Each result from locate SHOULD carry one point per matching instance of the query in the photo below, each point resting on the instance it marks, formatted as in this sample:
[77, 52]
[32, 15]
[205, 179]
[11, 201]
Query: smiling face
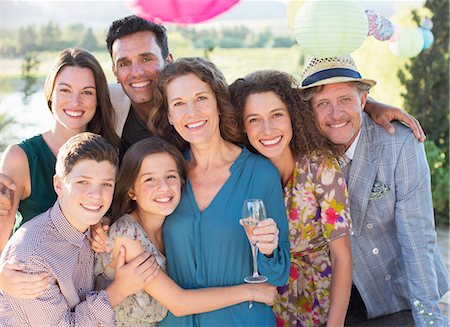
[337, 108]
[137, 62]
[193, 110]
[74, 99]
[267, 124]
[157, 189]
[86, 192]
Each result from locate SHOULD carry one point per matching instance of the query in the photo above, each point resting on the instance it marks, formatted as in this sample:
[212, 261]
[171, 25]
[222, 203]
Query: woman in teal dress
[205, 244]
[77, 95]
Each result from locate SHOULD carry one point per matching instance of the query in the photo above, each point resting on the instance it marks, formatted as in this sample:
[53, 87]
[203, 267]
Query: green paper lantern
[410, 43]
[329, 28]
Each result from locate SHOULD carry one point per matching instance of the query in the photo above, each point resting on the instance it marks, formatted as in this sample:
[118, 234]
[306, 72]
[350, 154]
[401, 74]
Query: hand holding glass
[253, 211]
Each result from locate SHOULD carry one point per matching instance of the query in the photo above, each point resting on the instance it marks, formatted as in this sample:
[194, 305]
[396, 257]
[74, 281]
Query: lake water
[32, 117]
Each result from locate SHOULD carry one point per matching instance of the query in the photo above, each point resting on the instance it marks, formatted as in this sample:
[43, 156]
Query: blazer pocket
[379, 190]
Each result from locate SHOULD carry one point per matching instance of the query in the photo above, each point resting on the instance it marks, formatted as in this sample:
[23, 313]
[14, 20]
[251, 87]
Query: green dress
[42, 168]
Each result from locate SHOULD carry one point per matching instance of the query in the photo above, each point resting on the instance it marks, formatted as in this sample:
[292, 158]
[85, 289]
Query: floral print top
[139, 309]
[318, 211]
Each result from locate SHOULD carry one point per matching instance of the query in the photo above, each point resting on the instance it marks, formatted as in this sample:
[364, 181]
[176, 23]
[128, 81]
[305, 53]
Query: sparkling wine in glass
[253, 211]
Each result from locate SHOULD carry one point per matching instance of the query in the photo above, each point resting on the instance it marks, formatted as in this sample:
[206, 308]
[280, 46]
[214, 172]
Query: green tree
[89, 41]
[30, 68]
[26, 39]
[50, 37]
[72, 34]
[426, 82]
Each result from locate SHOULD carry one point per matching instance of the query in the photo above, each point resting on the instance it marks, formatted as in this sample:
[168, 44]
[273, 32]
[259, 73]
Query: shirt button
[375, 251]
[387, 277]
[369, 226]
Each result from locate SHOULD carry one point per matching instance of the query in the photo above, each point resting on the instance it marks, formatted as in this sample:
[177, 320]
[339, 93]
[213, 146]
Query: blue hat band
[328, 73]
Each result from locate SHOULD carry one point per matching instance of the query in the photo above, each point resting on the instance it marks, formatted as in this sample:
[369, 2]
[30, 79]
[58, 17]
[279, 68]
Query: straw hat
[323, 71]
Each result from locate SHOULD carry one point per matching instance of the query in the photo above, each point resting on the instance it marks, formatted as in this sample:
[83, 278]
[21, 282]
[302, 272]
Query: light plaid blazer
[396, 261]
[121, 104]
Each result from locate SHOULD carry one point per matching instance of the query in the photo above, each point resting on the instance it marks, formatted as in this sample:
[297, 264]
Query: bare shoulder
[14, 164]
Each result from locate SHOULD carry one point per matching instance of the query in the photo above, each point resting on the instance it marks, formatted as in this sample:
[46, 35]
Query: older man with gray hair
[396, 262]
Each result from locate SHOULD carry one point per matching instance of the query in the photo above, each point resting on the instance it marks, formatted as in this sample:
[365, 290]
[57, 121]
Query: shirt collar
[67, 231]
[352, 148]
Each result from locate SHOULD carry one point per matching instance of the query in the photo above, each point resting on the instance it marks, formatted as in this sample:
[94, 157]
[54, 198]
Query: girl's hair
[131, 165]
[206, 71]
[104, 119]
[307, 138]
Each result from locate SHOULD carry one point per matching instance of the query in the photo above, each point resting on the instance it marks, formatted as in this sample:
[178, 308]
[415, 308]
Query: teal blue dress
[210, 248]
[41, 161]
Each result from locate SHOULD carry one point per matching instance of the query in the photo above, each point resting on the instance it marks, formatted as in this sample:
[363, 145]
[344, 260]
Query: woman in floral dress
[280, 126]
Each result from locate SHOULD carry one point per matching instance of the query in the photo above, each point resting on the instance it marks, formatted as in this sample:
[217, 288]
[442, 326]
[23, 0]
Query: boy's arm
[53, 309]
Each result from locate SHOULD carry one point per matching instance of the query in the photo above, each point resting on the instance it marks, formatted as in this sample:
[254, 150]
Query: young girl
[147, 190]
[278, 125]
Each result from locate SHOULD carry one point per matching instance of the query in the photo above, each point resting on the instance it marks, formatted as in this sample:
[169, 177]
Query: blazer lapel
[363, 171]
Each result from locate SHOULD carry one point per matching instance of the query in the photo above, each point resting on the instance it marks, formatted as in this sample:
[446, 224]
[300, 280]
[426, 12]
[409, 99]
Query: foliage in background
[30, 69]
[235, 37]
[439, 170]
[426, 97]
[47, 37]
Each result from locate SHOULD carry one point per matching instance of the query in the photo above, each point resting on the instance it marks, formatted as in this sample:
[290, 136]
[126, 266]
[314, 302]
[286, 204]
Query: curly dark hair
[133, 24]
[158, 122]
[307, 137]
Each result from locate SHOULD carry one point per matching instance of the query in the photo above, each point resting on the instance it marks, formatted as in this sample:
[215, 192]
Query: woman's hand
[19, 284]
[131, 277]
[7, 188]
[99, 242]
[266, 236]
[264, 293]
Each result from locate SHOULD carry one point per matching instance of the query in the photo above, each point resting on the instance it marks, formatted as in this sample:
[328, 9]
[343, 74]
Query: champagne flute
[252, 212]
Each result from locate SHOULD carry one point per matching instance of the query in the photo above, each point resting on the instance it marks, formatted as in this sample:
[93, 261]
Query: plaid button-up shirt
[49, 243]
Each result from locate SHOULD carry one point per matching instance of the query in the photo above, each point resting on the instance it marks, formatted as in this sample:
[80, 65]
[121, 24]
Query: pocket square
[379, 190]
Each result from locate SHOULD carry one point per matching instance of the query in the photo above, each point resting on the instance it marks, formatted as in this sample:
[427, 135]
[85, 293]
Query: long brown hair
[206, 71]
[307, 138]
[129, 170]
[104, 119]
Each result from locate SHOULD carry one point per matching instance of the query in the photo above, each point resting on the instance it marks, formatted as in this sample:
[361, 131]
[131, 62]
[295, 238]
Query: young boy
[56, 242]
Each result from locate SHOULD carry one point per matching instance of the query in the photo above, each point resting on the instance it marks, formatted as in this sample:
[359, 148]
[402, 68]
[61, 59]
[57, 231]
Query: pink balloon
[181, 11]
[372, 17]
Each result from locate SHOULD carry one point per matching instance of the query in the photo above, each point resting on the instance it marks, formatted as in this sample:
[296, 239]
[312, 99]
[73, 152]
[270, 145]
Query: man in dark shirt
[139, 51]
